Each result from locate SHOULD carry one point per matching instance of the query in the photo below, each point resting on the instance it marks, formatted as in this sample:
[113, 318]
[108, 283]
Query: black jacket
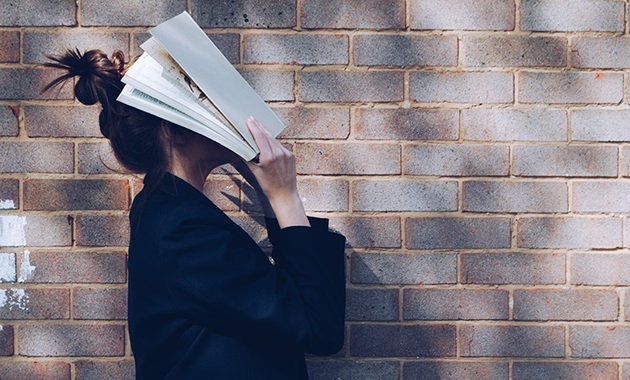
[205, 302]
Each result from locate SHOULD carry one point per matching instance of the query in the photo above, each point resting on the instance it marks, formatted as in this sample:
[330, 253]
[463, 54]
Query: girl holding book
[205, 302]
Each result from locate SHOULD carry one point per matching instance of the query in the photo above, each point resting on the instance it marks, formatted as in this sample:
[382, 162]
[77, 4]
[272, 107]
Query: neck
[194, 173]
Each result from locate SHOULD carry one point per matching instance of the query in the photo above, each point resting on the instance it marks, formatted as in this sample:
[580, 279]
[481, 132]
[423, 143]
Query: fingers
[262, 138]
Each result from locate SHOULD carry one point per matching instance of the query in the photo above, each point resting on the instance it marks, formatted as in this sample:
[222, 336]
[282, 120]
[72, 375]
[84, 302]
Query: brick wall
[475, 153]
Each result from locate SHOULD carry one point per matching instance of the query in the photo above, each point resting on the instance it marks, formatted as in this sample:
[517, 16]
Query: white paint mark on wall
[7, 204]
[1, 328]
[13, 298]
[12, 231]
[7, 267]
[26, 269]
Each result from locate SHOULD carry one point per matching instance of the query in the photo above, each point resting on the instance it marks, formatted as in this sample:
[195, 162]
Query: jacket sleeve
[221, 279]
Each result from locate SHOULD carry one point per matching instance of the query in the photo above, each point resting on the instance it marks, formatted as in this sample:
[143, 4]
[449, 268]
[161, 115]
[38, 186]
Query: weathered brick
[391, 268]
[601, 52]
[102, 230]
[296, 49]
[72, 340]
[626, 302]
[9, 46]
[99, 303]
[97, 158]
[599, 341]
[514, 197]
[461, 87]
[572, 15]
[402, 341]
[37, 45]
[348, 158]
[456, 160]
[228, 43]
[371, 232]
[9, 194]
[244, 14]
[599, 268]
[9, 120]
[510, 124]
[77, 267]
[255, 227]
[353, 369]
[105, 370]
[35, 230]
[353, 14]
[601, 197]
[625, 161]
[404, 195]
[463, 15]
[372, 305]
[336, 194]
[18, 303]
[349, 86]
[568, 232]
[600, 125]
[270, 85]
[129, 13]
[514, 51]
[443, 370]
[512, 341]
[314, 123]
[565, 305]
[6, 342]
[392, 50]
[405, 124]
[565, 370]
[465, 304]
[7, 267]
[27, 83]
[565, 161]
[458, 233]
[512, 268]
[35, 370]
[36, 157]
[76, 194]
[43, 121]
[569, 87]
[38, 13]
[225, 193]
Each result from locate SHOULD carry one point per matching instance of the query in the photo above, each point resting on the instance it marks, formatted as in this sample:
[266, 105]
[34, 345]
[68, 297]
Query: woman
[204, 301]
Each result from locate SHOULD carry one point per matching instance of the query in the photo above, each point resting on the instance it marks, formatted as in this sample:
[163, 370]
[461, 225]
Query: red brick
[402, 340]
[601, 197]
[27, 83]
[69, 194]
[35, 370]
[99, 303]
[405, 124]
[348, 158]
[512, 341]
[314, 123]
[105, 370]
[456, 160]
[464, 304]
[405, 268]
[572, 16]
[9, 46]
[569, 87]
[511, 124]
[7, 267]
[78, 267]
[565, 305]
[35, 230]
[610, 341]
[39, 13]
[459, 370]
[600, 268]
[392, 50]
[245, 14]
[37, 45]
[374, 14]
[16, 303]
[514, 51]
[350, 86]
[129, 13]
[102, 230]
[323, 194]
[601, 52]
[369, 231]
[565, 370]
[254, 226]
[461, 87]
[225, 193]
[600, 125]
[295, 49]
[6, 341]
[371, 304]
[36, 157]
[41, 121]
[514, 197]
[512, 268]
[404, 195]
[97, 158]
[463, 14]
[72, 340]
[458, 233]
[9, 120]
[569, 232]
[353, 369]
[9, 194]
[565, 161]
[272, 86]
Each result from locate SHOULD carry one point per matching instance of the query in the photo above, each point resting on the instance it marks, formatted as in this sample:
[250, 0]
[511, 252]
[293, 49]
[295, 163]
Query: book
[183, 78]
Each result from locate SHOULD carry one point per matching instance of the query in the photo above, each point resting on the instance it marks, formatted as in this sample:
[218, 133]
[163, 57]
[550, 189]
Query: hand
[276, 176]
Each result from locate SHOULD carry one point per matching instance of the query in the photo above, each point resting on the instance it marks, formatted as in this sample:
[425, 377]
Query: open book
[182, 77]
